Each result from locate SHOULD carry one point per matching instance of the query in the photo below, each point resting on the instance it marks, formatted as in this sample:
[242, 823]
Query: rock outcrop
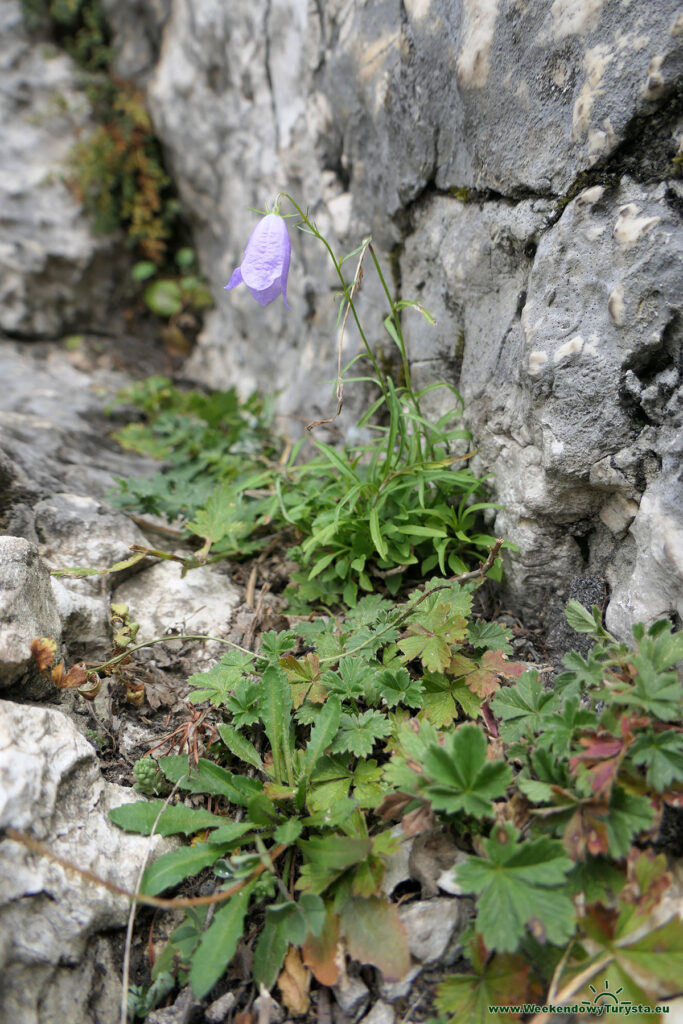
[518, 163]
[55, 274]
[56, 963]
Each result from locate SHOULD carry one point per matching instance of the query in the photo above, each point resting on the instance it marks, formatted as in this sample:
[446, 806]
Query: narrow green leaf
[171, 868]
[270, 950]
[335, 458]
[218, 944]
[240, 746]
[210, 778]
[276, 713]
[376, 533]
[176, 818]
[323, 732]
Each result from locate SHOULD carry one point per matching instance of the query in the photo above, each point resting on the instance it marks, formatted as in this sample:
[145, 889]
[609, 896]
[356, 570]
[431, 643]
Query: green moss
[116, 171]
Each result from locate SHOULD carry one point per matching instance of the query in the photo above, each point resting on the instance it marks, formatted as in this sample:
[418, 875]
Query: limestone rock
[352, 995]
[381, 1013]
[429, 925]
[386, 117]
[554, 349]
[163, 601]
[50, 919]
[51, 264]
[53, 435]
[27, 607]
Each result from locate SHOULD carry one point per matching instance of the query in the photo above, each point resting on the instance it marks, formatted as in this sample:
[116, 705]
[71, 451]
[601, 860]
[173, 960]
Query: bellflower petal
[265, 264]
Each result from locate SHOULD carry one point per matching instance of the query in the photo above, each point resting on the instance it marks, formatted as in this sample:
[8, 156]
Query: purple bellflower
[265, 264]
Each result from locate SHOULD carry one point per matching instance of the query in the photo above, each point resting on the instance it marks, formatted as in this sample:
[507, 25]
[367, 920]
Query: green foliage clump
[213, 446]
[78, 25]
[414, 711]
[149, 780]
[373, 514]
[117, 171]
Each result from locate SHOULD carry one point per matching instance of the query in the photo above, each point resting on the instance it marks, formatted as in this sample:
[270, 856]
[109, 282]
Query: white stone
[51, 788]
[429, 926]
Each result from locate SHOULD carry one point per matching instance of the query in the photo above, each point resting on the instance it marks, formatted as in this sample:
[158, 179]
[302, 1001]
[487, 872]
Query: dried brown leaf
[294, 983]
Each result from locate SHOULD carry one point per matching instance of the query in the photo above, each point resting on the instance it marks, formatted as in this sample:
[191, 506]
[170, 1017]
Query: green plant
[364, 516]
[79, 25]
[301, 749]
[168, 296]
[117, 171]
[395, 712]
[149, 780]
[600, 759]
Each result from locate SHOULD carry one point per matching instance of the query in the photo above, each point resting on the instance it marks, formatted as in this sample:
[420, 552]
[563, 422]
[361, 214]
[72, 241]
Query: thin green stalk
[397, 324]
[165, 639]
[340, 275]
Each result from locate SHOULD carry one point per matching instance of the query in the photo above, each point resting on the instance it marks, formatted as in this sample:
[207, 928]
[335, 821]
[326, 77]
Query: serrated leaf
[628, 815]
[491, 635]
[243, 704]
[662, 754]
[358, 733]
[524, 707]
[560, 728]
[518, 884]
[218, 943]
[172, 868]
[461, 777]
[175, 819]
[322, 733]
[327, 857]
[499, 981]
[217, 684]
[396, 686]
[240, 746]
[657, 693]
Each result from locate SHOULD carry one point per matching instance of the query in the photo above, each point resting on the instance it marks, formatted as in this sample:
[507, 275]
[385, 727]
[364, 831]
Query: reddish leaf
[43, 650]
[374, 934]
[585, 831]
[486, 679]
[321, 952]
[393, 806]
[602, 756]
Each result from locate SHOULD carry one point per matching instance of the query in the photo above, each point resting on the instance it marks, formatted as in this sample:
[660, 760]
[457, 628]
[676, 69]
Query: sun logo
[604, 997]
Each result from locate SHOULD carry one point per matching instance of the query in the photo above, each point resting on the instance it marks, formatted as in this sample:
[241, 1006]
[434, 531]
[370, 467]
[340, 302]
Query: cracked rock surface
[50, 785]
[457, 133]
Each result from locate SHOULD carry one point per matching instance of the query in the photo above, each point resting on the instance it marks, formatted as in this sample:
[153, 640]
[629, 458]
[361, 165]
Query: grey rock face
[50, 786]
[53, 271]
[561, 421]
[162, 601]
[53, 436]
[27, 607]
[559, 326]
[429, 926]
